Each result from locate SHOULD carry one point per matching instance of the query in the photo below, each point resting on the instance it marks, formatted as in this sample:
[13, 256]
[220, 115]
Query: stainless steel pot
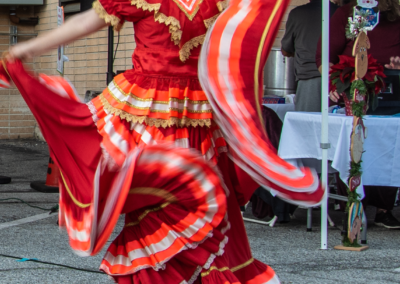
[279, 78]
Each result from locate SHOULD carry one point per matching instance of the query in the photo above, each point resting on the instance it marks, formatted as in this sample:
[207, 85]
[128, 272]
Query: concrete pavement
[291, 251]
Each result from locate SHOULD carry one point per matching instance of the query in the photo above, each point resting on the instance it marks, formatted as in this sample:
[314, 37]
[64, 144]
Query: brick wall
[88, 56]
[16, 121]
[86, 69]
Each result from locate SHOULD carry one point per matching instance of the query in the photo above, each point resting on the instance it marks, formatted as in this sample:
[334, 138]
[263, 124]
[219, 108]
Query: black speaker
[86, 5]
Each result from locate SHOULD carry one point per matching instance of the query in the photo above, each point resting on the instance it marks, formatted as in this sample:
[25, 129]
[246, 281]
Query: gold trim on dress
[77, 203]
[157, 110]
[158, 102]
[258, 59]
[236, 268]
[142, 4]
[157, 122]
[145, 213]
[109, 19]
[171, 22]
[209, 22]
[190, 17]
[184, 52]
[159, 192]
[222, 5]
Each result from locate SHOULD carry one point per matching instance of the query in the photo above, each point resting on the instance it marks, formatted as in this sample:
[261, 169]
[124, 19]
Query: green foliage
[358, 109]
[347, 243]
[355, 169]
[360, 86]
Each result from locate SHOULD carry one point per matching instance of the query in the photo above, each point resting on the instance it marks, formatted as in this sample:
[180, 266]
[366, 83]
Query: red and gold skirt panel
[250, 272]
[176, 203]
[92, 197]
[156, 100]
[121, 135]
[237, 264]
[231, 73]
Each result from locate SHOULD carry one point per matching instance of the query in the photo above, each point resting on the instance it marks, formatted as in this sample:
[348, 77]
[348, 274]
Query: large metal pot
[279, 78]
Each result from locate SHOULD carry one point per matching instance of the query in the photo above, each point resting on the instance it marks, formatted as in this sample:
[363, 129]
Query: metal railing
[13, 34]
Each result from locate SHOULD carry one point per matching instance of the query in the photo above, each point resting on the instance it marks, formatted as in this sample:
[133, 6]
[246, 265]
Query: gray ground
[288, 248]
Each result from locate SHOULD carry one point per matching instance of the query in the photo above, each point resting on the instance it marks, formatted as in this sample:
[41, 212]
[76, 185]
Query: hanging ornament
[355, 221]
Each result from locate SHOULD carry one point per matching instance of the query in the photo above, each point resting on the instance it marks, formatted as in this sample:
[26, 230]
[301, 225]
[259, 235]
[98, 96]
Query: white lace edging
[93, 111]
[107, 160]
[209, 261]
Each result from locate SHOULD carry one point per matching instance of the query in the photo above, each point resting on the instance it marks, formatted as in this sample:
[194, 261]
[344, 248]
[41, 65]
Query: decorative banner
[60, 53]
[355, 221]
[354, 182]
[360, 52]
[357, 97]
[370, 15]
[357, 139]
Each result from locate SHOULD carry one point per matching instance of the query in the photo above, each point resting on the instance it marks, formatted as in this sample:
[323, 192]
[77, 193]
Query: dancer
[176, 229]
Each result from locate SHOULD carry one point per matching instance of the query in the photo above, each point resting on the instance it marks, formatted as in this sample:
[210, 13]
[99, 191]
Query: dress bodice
[168, 33]
[163, 89]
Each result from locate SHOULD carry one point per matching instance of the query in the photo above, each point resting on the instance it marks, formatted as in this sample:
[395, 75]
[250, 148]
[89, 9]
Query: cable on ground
[54, 264]
[52, 209]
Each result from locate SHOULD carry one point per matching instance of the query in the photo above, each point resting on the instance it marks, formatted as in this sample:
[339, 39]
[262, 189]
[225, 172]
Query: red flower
[345, 70]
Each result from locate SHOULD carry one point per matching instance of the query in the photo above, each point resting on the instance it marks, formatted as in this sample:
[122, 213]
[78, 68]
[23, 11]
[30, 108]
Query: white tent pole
[324, 124]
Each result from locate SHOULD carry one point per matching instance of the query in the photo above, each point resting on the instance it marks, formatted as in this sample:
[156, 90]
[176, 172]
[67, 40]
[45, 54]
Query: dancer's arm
[76, 27]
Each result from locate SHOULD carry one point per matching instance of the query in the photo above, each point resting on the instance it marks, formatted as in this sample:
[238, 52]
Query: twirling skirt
[182, 223]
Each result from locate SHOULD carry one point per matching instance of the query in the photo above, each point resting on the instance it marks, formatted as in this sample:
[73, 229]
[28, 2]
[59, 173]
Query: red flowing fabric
[230, 71]
[176, 226]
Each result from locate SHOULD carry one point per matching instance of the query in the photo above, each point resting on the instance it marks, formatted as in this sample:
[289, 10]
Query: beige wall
[16, 121]
[86, 69]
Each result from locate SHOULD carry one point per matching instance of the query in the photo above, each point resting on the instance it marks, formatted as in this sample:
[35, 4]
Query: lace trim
[190, 16]
[107, 160]
[209, 261]
[171, 22]
[222, 5]
[142, 4]
[93, 111]
[154, 101]
[174, 24]
[109, 19]
[209, 22]
[184, 53]
[157, 122]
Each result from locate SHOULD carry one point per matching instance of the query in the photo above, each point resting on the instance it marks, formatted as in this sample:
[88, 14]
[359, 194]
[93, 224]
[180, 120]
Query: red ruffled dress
[126, 152]
[161, 100]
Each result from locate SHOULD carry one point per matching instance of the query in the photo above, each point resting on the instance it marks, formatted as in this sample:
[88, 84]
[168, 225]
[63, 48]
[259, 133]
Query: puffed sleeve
[116, 12]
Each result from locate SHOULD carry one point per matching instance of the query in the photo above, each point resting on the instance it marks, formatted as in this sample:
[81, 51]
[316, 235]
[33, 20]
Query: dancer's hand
[394, 63]
[22, 51]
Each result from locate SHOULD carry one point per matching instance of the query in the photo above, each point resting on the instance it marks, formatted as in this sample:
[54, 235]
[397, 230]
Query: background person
[303, 29]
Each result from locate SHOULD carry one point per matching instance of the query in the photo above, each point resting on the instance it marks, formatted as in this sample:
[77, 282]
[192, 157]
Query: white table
[280, 109]
[301, 137]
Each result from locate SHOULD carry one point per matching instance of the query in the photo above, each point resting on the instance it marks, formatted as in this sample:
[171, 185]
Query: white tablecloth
[280, 109]
[301, 137]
